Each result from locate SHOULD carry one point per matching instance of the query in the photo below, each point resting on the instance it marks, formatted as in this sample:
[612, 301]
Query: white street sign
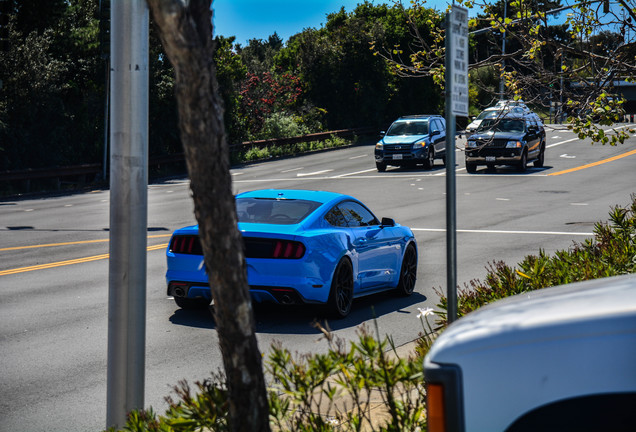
[459, 60]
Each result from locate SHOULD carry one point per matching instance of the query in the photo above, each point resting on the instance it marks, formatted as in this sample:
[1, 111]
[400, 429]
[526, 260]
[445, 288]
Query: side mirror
[387, 222]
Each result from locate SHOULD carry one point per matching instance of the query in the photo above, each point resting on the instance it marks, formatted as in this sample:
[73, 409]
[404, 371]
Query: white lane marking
[313, 173]
[293, 169]
[502, 199]
[354, 173]
[561, 142]
[506, 232]
[237, 173]
[579, 204]
[567, 156]
[357, 157]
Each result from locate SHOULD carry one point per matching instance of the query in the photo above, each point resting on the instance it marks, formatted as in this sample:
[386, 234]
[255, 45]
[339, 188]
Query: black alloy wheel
[408, 272]
[523, 163]
[341, 294]
[541, 159]
[430, 158]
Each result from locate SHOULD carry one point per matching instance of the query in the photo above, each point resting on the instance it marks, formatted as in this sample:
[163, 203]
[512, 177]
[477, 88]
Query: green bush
[341, 390]
[256, 153]
[282, 125]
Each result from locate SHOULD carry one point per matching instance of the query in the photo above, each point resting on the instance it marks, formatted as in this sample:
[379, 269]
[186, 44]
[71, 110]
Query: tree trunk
[186, 34]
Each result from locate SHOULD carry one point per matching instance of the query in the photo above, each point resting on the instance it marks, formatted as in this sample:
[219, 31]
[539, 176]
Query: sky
[258, 19]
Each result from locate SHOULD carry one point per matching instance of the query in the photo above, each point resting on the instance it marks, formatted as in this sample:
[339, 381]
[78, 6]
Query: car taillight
[273, 248]
[186, 244]
[254, 247]
[288, 249]
[435, 417]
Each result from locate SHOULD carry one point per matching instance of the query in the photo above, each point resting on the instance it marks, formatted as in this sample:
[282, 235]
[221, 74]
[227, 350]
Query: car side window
[435, 126]
[357, 215]
[336, 218]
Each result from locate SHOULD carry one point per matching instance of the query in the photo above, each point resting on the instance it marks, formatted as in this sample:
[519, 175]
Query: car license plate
[490, 158]
[397, 157]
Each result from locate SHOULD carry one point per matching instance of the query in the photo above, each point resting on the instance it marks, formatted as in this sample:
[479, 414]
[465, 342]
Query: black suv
[511, 139]
[412, 140]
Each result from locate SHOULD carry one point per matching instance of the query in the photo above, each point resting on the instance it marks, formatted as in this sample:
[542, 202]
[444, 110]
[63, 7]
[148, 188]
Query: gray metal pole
[106, 120]
[451, 210]
[128, 210]
[503, 52]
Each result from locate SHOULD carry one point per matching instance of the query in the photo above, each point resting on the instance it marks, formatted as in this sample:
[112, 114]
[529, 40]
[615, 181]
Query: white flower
[425, 312]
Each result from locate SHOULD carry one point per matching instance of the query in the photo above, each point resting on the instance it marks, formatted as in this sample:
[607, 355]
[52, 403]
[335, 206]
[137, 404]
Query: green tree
[51, 88]
[548, 63]
[343, 76]
[231, 71]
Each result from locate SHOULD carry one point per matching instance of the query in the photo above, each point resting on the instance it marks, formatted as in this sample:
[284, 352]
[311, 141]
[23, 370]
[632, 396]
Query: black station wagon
[513, 139]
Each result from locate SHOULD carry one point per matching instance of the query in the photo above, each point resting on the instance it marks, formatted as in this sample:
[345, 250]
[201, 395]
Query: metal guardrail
[96, 168]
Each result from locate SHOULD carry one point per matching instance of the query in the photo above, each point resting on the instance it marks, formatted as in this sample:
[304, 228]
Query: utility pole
[503, 53]
[128, 209]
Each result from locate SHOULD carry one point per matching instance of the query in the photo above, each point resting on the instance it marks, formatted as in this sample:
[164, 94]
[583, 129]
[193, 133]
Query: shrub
[282, 125]
[314, 392]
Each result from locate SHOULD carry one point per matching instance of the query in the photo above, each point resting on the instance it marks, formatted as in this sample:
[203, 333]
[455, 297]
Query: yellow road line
[629, 153]
[68, 262]
[70, 243]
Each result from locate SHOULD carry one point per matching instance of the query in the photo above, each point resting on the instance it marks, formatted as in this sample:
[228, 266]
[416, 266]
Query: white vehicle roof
[563, 312]
[542, 347]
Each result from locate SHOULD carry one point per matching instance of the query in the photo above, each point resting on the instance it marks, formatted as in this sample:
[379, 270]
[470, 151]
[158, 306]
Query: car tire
[380, 166]
[192, 303]
[541, 159]
[444, 160]
[341, 293]
[430, 159]
[523, 163]
[471, 168]
[408, 271]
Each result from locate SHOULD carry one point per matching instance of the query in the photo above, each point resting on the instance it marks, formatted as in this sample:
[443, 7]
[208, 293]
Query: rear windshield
[408, 128]
[274, 211]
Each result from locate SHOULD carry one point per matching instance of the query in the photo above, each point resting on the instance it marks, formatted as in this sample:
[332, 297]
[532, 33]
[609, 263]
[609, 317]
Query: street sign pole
[456, 77]
[128, 210]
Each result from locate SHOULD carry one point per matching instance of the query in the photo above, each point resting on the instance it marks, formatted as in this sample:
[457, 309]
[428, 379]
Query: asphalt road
[54, 267]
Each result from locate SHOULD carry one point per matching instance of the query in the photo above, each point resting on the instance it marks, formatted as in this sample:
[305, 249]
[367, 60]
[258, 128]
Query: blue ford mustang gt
[303, 247]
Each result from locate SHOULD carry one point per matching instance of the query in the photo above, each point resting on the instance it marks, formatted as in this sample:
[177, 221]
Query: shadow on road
[299, 319]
